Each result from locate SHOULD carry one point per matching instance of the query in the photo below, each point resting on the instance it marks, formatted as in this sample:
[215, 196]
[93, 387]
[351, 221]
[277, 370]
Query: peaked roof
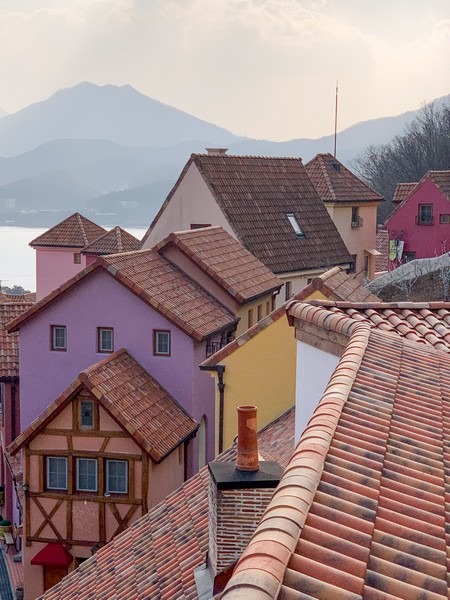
[159, 284]
[74, 232]
[27, 297]
[402, 191]
[133, 397]
[9, 342]
[336, 284]
[156, 557]
[225, 260]
[361, 511]
[255, 195]
[335, 183]
[112, 242]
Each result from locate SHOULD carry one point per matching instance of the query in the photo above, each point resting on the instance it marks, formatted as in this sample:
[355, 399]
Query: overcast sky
[262, 68]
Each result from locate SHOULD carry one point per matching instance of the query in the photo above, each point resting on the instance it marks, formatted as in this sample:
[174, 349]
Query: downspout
[220, 370]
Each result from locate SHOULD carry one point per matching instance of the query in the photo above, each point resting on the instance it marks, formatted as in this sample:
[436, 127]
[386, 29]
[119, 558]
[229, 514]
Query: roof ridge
[323, 166]
[320, 316]
[278, 532]
[81, 225]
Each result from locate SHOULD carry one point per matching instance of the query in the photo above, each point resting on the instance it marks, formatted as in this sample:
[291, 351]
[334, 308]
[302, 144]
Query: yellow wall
[242, 312]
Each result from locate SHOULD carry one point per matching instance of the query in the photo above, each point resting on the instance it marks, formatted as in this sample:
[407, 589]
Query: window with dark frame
[87, 414]
[56, 473]
[77, 258]
[105, 339]
[200, 225]
[444, 219]
[161, 343]
[260, 312]
[116, 476]
[250, 318]
[287, 290]
[86, 475]
[425, 216]
[58, 334]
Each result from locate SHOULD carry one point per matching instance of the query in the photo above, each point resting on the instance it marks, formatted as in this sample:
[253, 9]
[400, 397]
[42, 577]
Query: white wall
[314, 369]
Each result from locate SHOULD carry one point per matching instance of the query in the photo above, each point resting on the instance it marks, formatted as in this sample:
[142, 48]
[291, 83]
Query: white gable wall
[314, 369]
[192, 202]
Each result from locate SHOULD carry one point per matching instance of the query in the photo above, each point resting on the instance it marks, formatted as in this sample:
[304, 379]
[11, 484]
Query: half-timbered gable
[108, 449]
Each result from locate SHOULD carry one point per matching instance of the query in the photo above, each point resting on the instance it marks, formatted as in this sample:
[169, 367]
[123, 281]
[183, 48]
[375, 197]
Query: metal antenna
[336, 118]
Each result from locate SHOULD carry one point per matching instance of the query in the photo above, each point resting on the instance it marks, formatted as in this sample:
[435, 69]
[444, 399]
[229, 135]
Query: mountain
[3, 113]
[119, 114]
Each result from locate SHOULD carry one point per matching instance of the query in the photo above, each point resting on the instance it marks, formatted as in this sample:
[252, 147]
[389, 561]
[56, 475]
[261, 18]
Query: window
[444, 219]
[161, 343]
[250, 317]
[86, 474]
[425, 216]
[268, 307]
[356, 219]
[260, 311]
[295, 225]
[105, 339]
[116, 477]
[56, 473]
[59, 337]
[87, 414]
[287, 290]
[77, 258]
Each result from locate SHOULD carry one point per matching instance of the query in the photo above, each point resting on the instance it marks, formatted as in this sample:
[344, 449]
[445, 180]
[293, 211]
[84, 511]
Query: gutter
[220, 370]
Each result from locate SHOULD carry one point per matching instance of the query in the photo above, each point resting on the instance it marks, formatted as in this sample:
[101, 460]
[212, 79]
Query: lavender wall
[54, 267]
[98, 301]
[426, 240]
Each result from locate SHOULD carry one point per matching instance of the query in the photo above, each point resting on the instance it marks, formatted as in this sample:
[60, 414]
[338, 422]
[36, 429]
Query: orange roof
[74, 232]
[9, 342]
[156, 557]
[133, 397]
[361, 511]
[27, 297]
[112, 242]
[335, 183]
[382, 260]
[402, 191]
[336, 284]
[159, 284]
[225, 260]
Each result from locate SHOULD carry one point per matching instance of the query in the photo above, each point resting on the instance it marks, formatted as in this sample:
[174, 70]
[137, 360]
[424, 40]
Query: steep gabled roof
[135, 400]
[335, 183]
[225, 260]
[256, 194]
[336, 284]
[74, 232]
[402, 191]
[442, 180]
[112, 242]
[159, 284]
[156, 557]
[9, 342]
[361, 511]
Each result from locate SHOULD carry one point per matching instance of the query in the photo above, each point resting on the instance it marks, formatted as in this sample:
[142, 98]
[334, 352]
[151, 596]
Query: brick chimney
[238, 495]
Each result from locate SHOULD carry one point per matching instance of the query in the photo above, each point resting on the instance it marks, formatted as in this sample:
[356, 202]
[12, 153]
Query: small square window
[59, 337]
[105, 339]
[444, 219]
[87, 414]
[161, 343]
[116, 476]
[77, 258]
[86, 474]
[56, 473]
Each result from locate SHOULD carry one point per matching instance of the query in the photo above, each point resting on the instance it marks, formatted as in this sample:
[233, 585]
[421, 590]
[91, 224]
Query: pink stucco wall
[99, 301]
[54, 267]
[425, 240]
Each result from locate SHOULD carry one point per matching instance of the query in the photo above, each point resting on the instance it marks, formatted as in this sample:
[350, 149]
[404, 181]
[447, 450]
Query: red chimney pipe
[247, 444]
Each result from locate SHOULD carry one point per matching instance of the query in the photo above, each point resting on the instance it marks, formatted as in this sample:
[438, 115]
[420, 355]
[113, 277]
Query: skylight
[295, 225]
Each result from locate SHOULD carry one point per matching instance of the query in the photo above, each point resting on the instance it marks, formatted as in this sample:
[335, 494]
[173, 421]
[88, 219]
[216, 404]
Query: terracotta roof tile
[74, 232]
[135, 399]
[402, 191]
[112, 242]
[255, 194]
[335, 183]
[27, 297]
[336, 284]
[158, 283]
[382, 245]
[156, 557]
[9, 342]
[226, 260]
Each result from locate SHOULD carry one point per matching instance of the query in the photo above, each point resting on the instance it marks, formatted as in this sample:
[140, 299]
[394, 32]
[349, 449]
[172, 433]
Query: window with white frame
[161, 343]
[59, 337]
[86, 474]
[56, 467]
[116, 476]
[105, 339]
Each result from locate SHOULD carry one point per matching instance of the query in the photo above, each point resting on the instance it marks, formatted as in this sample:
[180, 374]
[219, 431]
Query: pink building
[107, 450]
[419, 227]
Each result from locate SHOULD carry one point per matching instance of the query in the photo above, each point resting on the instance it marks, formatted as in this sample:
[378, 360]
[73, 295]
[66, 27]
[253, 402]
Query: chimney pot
[247, 445]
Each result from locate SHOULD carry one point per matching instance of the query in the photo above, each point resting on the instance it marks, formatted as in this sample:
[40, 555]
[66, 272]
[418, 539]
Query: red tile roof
[74, 232]
[402, 191]
[133, 397]
[336, 284]
[255, 194]
[225, 260]
[335, 183]
[361, 511]
[112, 242]
[9, 342]
[28, 297]
[441, 179]
[156, 557]
[382, 260]
[159, 284]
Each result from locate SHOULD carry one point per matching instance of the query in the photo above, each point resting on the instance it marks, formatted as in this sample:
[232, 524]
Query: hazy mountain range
[113, 153]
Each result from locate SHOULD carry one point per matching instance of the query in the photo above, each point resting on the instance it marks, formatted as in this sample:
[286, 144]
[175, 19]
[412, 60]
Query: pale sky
[261, 68]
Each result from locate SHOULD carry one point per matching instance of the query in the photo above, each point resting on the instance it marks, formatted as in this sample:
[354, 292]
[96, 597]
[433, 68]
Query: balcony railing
[213, 347]
[358, 222]
[424, 220]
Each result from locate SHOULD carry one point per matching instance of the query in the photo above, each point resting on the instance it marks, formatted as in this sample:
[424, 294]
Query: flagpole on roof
[335, 118]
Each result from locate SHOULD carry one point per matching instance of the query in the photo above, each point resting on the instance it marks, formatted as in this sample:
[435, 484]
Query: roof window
[295, 225]
[336, 166]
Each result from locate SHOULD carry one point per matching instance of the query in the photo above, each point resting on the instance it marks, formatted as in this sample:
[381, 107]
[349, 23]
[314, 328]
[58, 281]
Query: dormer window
[295, 225]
